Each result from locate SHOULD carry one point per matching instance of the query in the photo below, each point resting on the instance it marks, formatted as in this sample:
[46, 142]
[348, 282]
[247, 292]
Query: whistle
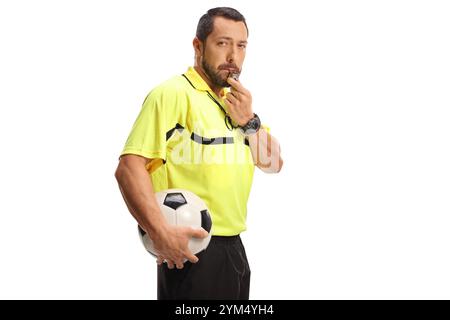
[234, 75]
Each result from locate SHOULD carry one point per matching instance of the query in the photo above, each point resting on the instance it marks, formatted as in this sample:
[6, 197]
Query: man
[198, 131]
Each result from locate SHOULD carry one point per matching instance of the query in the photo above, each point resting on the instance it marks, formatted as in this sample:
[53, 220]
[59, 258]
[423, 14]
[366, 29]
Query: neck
[202, 74]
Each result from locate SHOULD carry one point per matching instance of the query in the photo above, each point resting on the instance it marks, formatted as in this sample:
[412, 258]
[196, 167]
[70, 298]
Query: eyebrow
[231, 39]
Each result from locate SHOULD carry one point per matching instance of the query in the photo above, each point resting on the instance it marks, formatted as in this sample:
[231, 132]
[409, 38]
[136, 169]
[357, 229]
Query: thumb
[198, 233]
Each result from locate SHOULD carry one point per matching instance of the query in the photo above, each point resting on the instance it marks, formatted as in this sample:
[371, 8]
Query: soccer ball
[182, 208]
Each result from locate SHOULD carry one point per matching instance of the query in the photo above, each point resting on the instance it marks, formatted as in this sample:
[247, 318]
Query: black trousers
[222, 272]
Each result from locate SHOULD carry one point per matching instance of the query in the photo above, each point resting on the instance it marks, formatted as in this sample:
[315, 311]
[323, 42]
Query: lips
[229, 68]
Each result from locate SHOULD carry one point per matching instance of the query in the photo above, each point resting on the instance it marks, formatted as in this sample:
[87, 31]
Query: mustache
[229, 66]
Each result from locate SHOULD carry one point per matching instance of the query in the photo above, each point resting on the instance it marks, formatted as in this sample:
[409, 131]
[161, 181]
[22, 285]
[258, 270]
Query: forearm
[265, 151]
[137, 191]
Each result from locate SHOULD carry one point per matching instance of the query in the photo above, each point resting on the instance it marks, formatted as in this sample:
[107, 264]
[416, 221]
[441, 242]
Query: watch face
[253, 125]
[257, 123]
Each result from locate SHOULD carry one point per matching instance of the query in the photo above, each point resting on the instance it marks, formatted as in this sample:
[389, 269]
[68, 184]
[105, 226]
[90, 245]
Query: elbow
[280, 165]
[277, 168]
[271, 167]
[118, 174]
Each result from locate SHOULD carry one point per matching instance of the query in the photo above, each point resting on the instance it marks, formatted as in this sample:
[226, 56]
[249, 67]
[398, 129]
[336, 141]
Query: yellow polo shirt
[182, 128]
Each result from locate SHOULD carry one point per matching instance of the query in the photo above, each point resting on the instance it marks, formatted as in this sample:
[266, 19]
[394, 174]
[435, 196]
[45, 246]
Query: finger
[235, 93]
[232, 98]
[230, 106]
[170, 264]
[180, 265]
[160, 260]
[198, 233]
[236, 85]
[191, 257]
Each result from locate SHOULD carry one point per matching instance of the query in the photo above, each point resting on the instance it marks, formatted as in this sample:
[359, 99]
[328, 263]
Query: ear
[198, 46]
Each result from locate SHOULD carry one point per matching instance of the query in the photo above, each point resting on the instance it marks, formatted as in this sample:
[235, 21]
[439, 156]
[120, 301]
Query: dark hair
[206, 23]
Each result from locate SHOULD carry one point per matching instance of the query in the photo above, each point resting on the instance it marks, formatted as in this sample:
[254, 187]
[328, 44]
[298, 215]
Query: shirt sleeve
[148, 134]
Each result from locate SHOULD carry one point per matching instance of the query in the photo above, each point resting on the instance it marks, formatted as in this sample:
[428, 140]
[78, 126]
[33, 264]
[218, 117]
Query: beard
[214, 76]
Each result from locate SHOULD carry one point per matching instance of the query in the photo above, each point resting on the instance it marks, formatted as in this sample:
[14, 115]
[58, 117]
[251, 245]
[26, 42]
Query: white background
[357, 92]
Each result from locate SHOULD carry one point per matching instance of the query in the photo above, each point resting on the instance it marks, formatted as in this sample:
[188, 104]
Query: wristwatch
[252, 126]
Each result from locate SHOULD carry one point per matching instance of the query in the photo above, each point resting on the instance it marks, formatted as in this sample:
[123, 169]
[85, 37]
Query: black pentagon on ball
[206, 220]
[174, 200]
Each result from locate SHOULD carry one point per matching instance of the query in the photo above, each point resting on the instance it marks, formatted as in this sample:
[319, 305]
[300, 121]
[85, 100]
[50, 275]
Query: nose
[231, 57]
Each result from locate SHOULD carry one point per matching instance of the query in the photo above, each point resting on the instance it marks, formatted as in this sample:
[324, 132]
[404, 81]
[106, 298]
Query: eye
[222, 43]
[242, 46]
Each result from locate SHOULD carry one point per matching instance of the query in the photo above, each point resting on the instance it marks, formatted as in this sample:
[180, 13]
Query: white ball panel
[189, 215]
[197, 245]
[169, 214]
[186, 215]
[148, 244]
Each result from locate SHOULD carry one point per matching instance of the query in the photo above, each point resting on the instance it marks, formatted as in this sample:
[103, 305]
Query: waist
[228, 239]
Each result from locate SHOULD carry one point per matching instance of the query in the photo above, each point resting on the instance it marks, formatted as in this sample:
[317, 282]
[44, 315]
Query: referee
[198, 131]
